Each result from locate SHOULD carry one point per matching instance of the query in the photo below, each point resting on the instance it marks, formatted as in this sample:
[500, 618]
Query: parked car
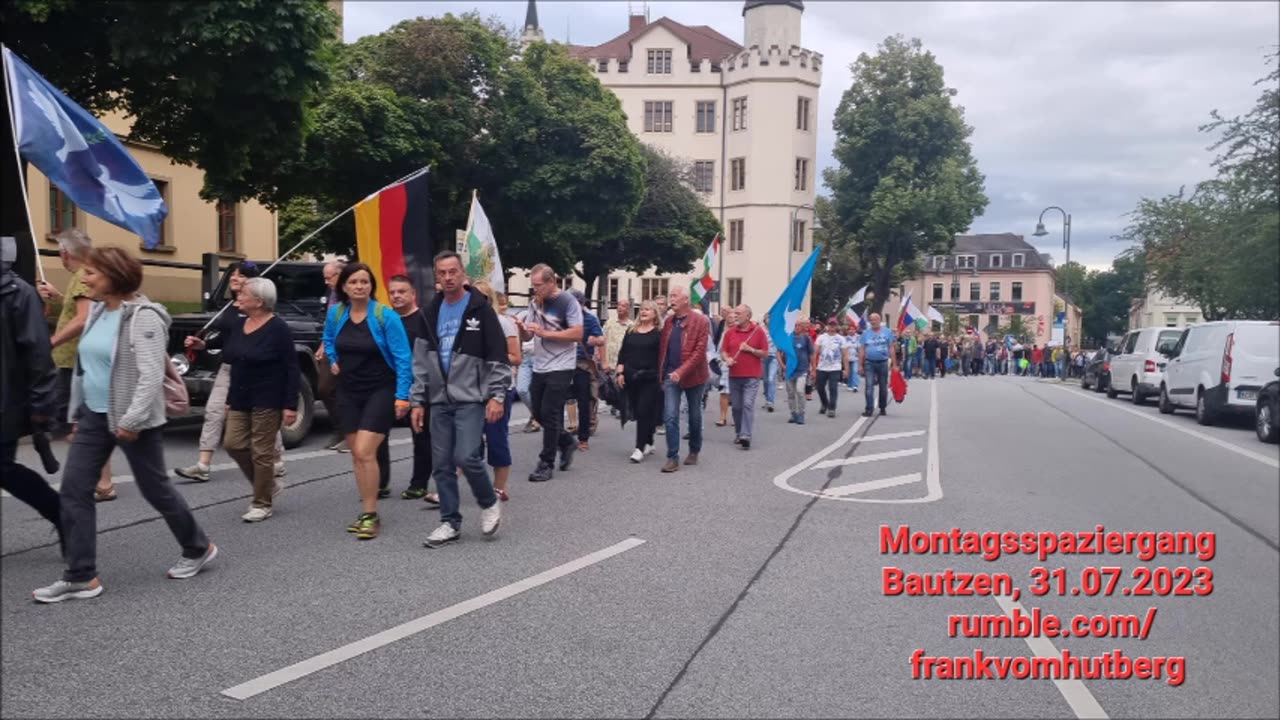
[301, 296]
[1097, 371]
[1266, 412]
[1221, 367]
[1139, 365]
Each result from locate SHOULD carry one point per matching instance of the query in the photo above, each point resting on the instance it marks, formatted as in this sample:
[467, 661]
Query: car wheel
[1135, 395]
[294, 434]
[1265, 421]
[1204, 415]
[1084, 383]
[1166, 405]
[1099, 384]
[1112, 392]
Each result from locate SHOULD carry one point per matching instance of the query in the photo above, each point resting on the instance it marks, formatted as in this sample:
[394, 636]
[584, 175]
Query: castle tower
[771, 22]
[531, 33]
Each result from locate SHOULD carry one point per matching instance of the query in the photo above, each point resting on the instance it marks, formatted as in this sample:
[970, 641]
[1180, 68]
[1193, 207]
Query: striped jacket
[136, 396]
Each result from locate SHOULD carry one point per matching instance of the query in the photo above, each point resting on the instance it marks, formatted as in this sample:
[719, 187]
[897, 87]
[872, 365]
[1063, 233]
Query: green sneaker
[368, 526]
[355, 526]
[413, 494]
[384, 493]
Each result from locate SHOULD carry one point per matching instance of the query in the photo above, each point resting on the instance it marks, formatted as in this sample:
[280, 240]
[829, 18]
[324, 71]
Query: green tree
[906, 182]
[1108, 297]
[1216, 247]
[839, 272]
[950, 323]
[670, 230]
[1020, 327]
[219, 85]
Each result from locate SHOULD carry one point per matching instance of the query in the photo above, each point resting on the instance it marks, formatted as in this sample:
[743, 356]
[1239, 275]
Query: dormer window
[1019, 260]
[966, 261]
[997, 260]
[603, 66]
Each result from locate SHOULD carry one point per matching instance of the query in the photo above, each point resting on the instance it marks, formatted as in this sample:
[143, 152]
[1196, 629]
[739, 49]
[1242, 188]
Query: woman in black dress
[638, 374]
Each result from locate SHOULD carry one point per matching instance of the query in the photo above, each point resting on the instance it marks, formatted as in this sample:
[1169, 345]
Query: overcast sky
[1089, 106]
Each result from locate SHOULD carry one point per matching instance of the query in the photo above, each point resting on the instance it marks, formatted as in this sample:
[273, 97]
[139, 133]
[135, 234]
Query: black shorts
[371, 411]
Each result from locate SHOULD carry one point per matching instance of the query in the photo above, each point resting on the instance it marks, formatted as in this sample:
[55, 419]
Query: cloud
[1088, 106]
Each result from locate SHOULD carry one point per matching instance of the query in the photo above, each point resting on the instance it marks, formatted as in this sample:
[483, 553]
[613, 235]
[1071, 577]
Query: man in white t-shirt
[830, 364]
[554, 323]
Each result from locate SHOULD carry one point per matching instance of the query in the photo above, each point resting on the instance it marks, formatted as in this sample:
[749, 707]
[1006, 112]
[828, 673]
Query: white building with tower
[743, 115]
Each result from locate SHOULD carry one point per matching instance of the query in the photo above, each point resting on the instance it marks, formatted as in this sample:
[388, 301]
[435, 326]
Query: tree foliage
[1218, 246]
[670, 230]
[906, 182]
[839, 272]
[219, 85]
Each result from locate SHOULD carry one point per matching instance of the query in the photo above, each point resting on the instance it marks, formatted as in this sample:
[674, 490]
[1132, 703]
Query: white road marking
[875, 457]
[932, 472]
[1082, 702]
[873, 485]
[1269, 461]
[273, 680]
[887, 436]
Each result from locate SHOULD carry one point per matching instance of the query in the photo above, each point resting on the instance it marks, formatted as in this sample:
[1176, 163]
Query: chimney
[637, 22]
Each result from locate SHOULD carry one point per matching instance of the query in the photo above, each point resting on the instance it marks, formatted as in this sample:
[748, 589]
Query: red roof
[704, 43]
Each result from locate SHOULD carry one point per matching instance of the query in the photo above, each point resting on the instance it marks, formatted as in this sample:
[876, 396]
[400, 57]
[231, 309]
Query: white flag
[933, 314]
[859, 297]
[483, 262]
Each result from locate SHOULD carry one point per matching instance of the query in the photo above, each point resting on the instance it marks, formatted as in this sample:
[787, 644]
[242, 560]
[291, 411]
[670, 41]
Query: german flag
[392, 235]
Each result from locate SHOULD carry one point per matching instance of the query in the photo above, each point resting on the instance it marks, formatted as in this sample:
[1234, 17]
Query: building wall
[190, 229]
[1038, 286]
[771, 80]
[1159, 310]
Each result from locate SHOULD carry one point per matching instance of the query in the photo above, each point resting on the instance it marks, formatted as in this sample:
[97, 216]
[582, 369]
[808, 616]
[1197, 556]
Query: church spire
[532, 33]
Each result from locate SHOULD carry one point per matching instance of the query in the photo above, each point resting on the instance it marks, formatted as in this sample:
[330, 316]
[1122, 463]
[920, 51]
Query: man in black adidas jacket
[460, 370]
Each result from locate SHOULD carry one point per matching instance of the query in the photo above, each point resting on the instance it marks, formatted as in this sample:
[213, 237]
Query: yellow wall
[189, 230]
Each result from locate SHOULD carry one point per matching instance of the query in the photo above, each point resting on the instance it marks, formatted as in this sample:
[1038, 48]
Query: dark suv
[301, 293]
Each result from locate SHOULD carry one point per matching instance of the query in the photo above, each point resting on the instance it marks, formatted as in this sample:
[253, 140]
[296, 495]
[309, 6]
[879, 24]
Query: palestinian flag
[704, 284]
[392, 236]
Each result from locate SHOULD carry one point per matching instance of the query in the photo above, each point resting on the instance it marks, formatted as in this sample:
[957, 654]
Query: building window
[997, 260]
[966, 261]
[995, 292]
[227, 227]
[622, 66]
[1192, 320]
[735, 236]
[652, 288]
[735, 292]
[657, 117]
[1019, 260]
[993, 323]
[704, 176]
[1171, 320]
[738, 174]
[955, 291]
[565, 282]
[163, 187]
[975, 292]
[740, 113]
[937, 292]
[62, 212]
[695, 67]
[603, 66]
[973, 321]
[802, 113]
[659, 62]
[802, 174]
[797, 236]
[706, 116]
[613, 290]
[1016, 294]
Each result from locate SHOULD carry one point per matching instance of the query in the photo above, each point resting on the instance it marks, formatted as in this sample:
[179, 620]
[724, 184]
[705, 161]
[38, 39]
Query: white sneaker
[637, 455]
[442, 535]
[257, 514]
[490, 517]
[280, 471]
[648, 449]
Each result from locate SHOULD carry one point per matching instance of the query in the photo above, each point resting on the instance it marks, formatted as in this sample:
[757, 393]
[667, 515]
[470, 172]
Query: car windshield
[300, 285]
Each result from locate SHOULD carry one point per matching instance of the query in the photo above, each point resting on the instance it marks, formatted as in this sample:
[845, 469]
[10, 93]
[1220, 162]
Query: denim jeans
[524, 378]
[928, 368]
[828, 384]
[770, 378]
[877, 377]
[421, 456]
[671, 396]
[742, 398]
[94, 442]
[456, 434]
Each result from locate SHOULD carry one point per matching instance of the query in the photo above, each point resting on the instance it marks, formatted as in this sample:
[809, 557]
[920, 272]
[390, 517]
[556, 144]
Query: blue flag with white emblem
[785, 312]
[80, 155]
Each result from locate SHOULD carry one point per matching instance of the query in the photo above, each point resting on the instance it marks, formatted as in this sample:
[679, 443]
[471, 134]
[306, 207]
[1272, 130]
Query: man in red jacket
[683, 355]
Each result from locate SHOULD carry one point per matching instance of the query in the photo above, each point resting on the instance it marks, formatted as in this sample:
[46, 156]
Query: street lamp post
[1066, 280]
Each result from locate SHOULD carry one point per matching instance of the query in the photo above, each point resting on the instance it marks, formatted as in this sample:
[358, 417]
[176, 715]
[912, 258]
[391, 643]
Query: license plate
[1247, 394]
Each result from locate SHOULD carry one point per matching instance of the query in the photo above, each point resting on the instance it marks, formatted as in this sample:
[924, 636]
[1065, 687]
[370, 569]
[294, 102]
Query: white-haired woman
[263, 390]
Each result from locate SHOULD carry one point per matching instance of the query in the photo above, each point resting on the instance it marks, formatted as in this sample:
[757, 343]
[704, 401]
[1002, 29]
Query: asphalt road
[749, 586]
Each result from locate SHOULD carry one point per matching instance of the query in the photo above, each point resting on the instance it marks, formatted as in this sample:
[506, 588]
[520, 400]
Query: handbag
[177, 402]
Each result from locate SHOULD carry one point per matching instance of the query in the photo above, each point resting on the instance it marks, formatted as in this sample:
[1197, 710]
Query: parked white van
[1138, 366]
[1219, 367]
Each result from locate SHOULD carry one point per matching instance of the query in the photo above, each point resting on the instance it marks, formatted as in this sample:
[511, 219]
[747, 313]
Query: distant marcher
[554, 323]
[404, 300]
[118, 400]
[638, 368]
[802, 346]
[326, 381]
[497, 433]
[590, 353]
[830, 364]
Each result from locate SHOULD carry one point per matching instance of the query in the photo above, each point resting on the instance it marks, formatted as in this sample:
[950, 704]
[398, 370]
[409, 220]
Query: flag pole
[305, 240]
[17, 157]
